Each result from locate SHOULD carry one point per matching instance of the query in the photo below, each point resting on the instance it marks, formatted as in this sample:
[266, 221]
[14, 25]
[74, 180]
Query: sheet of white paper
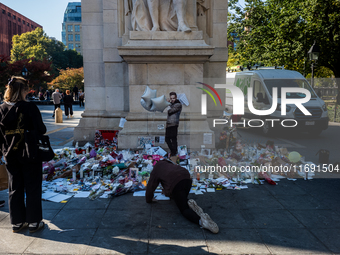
[221, 179]
[198, 192]
[203, 190]
[161, 197]
[207, 138]
[162, 139]
[106, 194]
[243, 187]
[193, 190]
[247, 181]
[160, 152]
[210, 190]
[139, 193]
[48, 195]
[58, 198]
[83, 194]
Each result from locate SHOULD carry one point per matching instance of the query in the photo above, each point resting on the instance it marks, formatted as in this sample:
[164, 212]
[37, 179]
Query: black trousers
[171, 139]
[81, 102]
[68, 108]
[55, 108]
[180, 195]
[24, 178]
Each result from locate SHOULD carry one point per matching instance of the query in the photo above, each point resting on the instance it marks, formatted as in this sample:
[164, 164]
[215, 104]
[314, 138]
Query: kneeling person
[176, 182]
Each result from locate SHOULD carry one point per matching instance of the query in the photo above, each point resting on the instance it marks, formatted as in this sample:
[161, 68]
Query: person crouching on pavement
[176, 182]
[172, 123]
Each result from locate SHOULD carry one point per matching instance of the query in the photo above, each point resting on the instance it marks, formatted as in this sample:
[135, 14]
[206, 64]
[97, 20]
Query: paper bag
[3, 178]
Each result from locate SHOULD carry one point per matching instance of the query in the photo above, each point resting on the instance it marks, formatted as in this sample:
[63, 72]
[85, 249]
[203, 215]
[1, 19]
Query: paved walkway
[301, 217]
[61, 134]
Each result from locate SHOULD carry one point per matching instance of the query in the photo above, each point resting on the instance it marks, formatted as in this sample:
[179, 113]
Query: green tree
[37, 45]
[280, 32]
[68, 79]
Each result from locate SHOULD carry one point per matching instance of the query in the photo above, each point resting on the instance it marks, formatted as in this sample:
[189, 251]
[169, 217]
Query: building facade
[71, 29]
[12, 23]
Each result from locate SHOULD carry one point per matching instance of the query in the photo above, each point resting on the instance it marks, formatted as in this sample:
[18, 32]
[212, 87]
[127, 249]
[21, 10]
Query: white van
[262, 82]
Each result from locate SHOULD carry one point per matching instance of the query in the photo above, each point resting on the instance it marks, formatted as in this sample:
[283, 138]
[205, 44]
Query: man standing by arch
[172, 123]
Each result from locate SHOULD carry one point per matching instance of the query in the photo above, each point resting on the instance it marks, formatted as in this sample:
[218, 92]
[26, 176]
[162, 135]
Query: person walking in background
[176, 183]
[41, 96]
[48, 95]
[68, 102]
[56, 97]
[75, 92]
[24, 176]
[172, 123]
[81, 98]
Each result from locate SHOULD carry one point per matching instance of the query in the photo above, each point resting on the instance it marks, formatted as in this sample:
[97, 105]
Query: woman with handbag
[24, 174]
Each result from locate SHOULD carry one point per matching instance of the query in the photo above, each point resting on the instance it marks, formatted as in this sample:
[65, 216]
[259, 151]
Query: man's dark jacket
[173, 114]
[168, 174]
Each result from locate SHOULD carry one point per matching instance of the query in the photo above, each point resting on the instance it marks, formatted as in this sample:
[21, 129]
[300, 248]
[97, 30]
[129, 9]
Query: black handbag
[37, 147]
[45, 151]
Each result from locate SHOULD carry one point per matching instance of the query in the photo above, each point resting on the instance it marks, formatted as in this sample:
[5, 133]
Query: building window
[31, 26]
[69, 28]
[14, 28]
[23, 22]
[28, 24]
[3, 11]
[70, 38]
[77, 38]
[19, 20]
[77, 46]
[14, 17]
[70, 46]
[19, 30]
[77, 28]
[9, 15]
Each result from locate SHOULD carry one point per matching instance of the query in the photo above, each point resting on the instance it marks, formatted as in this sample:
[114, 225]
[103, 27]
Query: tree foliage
[280, 32]
[37, 45]
[68, 79]
[38, 70]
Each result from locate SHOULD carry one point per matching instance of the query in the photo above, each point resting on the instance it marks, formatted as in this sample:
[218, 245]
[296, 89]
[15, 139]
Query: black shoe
[18, 227]
[52, 116]
[37, 227]
[2, 203]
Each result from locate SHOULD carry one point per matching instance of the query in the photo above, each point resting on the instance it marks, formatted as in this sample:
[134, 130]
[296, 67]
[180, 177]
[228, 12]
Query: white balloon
[159, 104]
[142, 102]
[148, 95]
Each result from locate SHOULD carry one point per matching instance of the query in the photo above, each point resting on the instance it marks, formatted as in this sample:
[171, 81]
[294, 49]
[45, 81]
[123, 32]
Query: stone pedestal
[166, 61]
[120, 63]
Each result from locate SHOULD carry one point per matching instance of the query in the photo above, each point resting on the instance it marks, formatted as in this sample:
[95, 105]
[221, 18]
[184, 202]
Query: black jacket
[168, 174]
[68, 100]
[14, 120]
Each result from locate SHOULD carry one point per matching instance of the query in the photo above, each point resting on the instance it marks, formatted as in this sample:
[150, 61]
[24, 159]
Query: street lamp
[313, 55]
[24, 72]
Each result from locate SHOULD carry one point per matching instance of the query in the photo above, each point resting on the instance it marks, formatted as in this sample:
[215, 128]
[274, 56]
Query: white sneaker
[193, 205]
[208, 223]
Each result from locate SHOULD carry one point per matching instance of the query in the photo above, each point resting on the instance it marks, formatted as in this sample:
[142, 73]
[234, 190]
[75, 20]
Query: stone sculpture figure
[157, 15]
